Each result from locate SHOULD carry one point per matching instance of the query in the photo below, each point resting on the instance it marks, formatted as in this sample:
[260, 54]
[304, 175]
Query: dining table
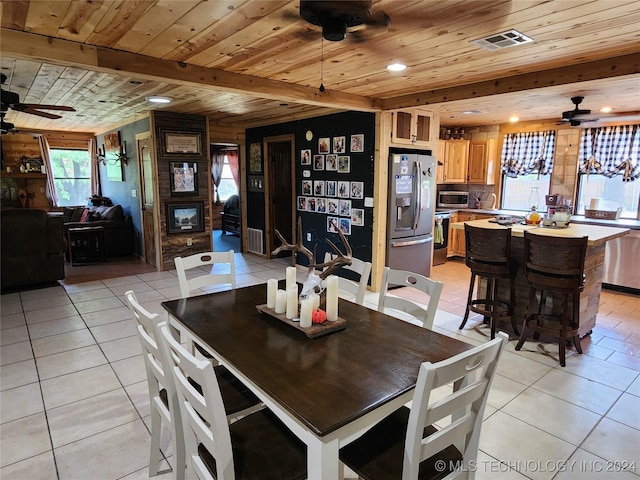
[329, 389]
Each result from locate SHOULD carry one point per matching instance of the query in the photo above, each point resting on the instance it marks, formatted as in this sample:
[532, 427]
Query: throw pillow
[77, 214]
[85, 215]
[114, 214]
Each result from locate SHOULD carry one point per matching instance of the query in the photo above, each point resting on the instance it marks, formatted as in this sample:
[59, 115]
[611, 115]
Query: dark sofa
[231, 215]
[118, 227]
[32, 248]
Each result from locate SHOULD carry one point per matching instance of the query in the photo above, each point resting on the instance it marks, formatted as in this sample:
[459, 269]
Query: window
[527, 163]
[71, 170]
[227, 185]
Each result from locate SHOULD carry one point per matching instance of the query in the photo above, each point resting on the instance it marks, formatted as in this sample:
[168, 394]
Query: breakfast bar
[597, 236]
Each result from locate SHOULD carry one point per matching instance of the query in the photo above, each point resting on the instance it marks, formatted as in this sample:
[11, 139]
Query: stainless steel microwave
[453, 199]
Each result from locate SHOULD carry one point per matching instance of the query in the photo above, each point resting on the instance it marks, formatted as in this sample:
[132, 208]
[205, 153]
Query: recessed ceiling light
[135, 82]
[606, 109]
[514, 119]
[473, 112]
[156, 99]
[396, 67]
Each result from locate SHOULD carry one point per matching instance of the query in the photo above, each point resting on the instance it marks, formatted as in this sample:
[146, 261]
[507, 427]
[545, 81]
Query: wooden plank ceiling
[253, 63]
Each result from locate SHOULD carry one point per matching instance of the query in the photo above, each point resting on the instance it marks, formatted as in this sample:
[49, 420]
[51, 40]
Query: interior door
[281, 208]
[147, 197]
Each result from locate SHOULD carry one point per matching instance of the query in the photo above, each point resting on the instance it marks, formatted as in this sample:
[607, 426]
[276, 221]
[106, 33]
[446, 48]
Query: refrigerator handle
[418, 194]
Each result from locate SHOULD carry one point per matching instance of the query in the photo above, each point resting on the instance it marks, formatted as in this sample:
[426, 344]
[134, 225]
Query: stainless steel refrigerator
[412, 186]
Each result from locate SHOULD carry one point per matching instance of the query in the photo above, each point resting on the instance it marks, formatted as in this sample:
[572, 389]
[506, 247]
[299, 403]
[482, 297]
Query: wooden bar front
[593, 268]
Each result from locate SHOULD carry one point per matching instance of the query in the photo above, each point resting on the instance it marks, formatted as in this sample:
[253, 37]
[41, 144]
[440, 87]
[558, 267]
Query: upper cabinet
[456, 157]
[482, 162]
[414, 127]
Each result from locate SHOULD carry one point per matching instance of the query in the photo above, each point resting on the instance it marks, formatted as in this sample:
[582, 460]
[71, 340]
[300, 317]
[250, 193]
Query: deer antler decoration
[295, 247]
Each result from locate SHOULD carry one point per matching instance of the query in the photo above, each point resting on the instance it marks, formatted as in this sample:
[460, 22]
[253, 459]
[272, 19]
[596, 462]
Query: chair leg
[512, 300]
[156, 431]
[469, 297]
[564, 321]
[492, 287]
[576, 321]
[523, 334]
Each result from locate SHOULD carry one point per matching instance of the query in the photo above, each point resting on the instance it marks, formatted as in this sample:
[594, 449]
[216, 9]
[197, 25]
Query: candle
[281, 301]
[272, 288]
[332, 298]
[306, 308]
[292, 302]
[291, 276]
[316, 300]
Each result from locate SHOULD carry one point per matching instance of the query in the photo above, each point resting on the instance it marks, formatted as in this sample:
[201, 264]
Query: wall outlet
[308, 237]
[189, 242]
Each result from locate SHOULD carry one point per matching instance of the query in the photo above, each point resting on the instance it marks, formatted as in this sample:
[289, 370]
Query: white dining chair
[221, 266]
[163, 400]
[424, 285]
[258, 446]
[408, 441]
[354, 289]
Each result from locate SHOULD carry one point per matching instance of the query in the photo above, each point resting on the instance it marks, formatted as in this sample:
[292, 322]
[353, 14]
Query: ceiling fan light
[156, 99]
[396, 67]
[334, 29]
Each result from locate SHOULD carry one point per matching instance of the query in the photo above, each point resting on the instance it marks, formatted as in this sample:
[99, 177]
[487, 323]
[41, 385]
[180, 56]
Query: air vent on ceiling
[502, 40]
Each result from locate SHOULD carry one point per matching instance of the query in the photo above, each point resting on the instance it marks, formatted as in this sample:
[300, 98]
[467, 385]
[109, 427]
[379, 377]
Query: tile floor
[74, 401]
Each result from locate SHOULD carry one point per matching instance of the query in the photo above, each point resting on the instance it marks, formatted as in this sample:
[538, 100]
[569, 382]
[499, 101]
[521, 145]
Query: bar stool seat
[554, 267]
[488, 255]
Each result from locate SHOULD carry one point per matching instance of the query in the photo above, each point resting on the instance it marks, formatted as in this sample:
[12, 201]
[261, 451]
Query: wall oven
[440, 237]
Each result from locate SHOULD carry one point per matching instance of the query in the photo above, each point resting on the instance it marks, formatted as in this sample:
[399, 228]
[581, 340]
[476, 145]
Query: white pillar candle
[292, 302]
[291, 276]
[272, 288]
[306, 308]
[332, 298]
[316, 300]
[281, 301]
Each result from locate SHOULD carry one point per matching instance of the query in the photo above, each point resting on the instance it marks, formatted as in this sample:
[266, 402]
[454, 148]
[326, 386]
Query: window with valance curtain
[611, 151]
[528, 152]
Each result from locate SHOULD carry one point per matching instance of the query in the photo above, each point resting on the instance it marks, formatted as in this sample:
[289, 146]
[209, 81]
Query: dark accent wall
[361, 170]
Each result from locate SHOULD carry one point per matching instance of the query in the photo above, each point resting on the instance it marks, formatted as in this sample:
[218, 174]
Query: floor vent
[255, 241]
[502, 40]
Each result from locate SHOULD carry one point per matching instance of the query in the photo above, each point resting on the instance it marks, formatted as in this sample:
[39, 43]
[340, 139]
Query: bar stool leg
[562, 341]
[493, 288]
[469, 297]
[527, 316]
[576, 316]
[512, 299]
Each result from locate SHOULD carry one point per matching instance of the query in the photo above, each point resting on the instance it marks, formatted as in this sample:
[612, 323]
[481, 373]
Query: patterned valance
[611, 151]
[528, 152]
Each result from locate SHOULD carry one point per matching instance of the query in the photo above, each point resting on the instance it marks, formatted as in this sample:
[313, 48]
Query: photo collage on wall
[340, 200]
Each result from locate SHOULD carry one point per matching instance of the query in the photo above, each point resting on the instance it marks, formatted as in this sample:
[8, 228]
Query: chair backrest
[405, 278]
[555, 261]
[203, 412]
[225, 263]
[488, 250]
[470, 374]
[357, 289]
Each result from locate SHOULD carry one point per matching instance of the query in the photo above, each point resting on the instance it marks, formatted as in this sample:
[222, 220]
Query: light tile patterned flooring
[74, 402]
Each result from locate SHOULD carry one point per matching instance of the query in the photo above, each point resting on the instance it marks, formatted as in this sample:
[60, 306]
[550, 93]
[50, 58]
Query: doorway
[146, 174]
[280, 174]
[226, 208]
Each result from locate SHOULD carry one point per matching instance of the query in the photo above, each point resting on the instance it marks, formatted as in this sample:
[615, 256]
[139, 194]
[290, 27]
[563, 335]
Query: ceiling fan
[579, 116]
[11, 100]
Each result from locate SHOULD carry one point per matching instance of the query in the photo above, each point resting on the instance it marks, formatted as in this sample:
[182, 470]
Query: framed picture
[302, 203]
[307, 187]
[331, 163]
[305, 157]
[357, 217]
[318, 162]
[357, 189]
[182, 143]
[111, 152]
[184, 178]
[311, 204]
[330, 188]
[339, 144]
[343, 189]
[255, 158]
[332, 206]
[344, 164]
[357, 143]
[332, 224]
[344, 208]
[323, 145]
[256, 183]
[321, 205]
[318, 187]
[185, 217]
[344, 225]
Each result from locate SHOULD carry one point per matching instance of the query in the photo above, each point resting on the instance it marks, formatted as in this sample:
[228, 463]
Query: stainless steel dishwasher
[622, 262]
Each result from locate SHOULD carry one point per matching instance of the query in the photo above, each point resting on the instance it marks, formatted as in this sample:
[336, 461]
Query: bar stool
[554, 266]
[488, 255]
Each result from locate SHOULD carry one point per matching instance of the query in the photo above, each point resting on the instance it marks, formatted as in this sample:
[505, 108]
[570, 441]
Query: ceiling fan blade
[21, 107]
[34, 111]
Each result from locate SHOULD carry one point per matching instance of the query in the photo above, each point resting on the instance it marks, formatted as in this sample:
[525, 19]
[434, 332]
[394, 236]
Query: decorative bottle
[533, 217]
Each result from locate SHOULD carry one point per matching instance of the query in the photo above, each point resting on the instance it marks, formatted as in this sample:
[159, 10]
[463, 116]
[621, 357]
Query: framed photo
[318, 187]
[330, 188]
[307, 187]
[311, 204]
[331, 163]
[182, 143]
[321, 205]
[185, 217]
[343, 189]
[111, 152]
[318, 162]
[357, 190]
[184, 179]
[305, 157]
[255, 158]
[344, 225]
[344, 208]
[332, 206]
[256, 183]
[357, 143]
[323, 145]
[357, 217]
[339, 144]
[332, 224]
[344, 164]
[302, 204]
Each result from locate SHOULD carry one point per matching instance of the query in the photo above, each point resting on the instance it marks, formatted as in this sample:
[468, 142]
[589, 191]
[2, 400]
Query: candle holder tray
[315, 330]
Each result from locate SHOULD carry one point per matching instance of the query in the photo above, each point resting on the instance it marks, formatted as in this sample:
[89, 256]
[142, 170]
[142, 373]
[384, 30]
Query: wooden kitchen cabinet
[456, 246]
[456, 159]
[440, 162]
[482, 162]
[413, 127]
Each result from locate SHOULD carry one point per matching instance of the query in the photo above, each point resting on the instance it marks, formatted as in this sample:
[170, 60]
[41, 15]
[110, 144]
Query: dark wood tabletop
[325, 382]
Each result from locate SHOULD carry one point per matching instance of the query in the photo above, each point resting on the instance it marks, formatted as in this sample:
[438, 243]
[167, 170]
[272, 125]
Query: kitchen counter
[598, 236]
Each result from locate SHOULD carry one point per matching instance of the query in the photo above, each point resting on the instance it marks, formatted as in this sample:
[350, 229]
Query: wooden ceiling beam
[65, 52]
[575, 73]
